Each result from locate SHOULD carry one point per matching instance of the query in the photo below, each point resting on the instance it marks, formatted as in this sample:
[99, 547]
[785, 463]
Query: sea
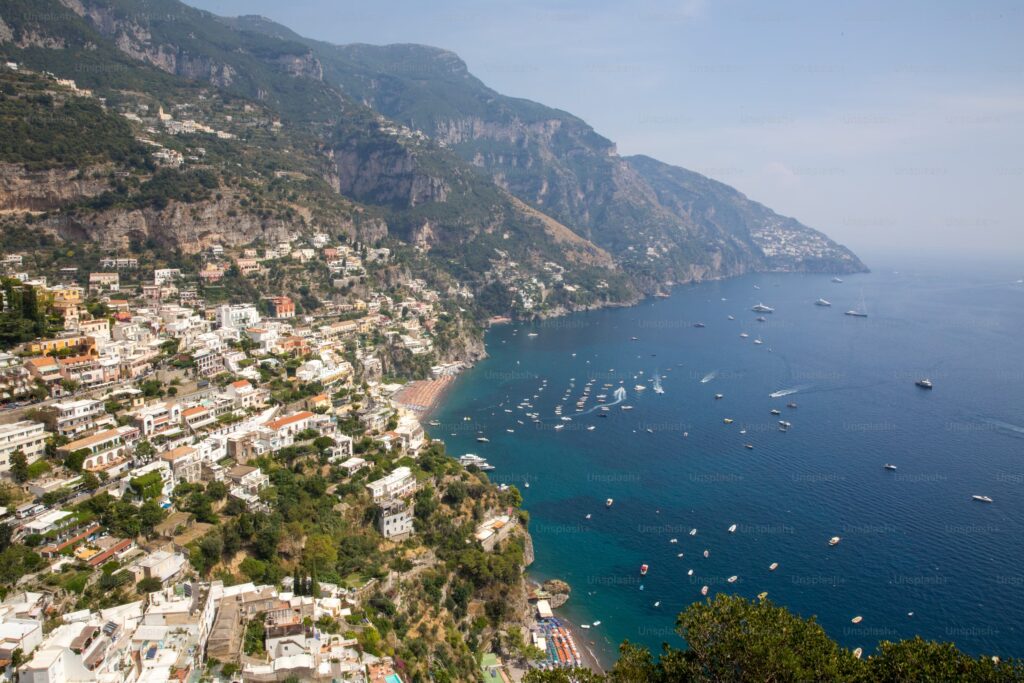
[917, 555]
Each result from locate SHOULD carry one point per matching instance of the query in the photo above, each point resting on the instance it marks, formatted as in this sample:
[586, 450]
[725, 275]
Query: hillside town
[145, 429]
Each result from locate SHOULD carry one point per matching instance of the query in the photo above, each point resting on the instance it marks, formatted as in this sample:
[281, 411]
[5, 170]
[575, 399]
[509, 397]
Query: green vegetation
[25, 313]
[733, 640]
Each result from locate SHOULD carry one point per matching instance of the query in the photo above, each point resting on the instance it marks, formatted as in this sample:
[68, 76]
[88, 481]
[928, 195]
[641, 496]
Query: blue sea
[917, 555]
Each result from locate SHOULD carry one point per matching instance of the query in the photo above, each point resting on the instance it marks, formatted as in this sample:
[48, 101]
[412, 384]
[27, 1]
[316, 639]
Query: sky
[887, 127]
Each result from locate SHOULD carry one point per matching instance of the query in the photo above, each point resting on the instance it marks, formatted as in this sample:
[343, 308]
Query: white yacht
[822, 302]
[761, 308]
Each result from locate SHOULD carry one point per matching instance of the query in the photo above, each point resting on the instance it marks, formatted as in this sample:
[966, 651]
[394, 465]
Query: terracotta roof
[290, 419]
[99, 437]
[193, 411]
[179, 452]
[241, 384]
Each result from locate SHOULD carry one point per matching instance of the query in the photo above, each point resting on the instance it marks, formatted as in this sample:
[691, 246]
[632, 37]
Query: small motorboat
[643, 570]
[732, 579]
[773, 566]
[704, 590]
[732, 529]
[707, 553]
[588, 516]
[689, 572]
[658, 603]
[608, 503]
[924, 383]
[698, 325]
[834, 541]
[857, 619]
[889, 466]
[483, 439]
[776, 411]
[791, 405]
[719, 396]
[693, 532]
[749, 446]
[982, 499]
[728, 420]
[762, 595]
[858, 652]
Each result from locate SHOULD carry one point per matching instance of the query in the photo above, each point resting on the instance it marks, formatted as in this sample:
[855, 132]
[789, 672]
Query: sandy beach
[422, 396]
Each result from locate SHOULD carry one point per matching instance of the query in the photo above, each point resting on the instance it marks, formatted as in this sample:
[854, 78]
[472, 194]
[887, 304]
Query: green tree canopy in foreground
[734, 640]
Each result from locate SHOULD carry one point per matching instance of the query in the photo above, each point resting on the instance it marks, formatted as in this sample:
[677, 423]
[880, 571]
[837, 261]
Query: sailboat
[858, 312]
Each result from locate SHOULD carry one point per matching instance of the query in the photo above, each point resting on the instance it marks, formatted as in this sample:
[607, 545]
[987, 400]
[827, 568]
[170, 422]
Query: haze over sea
[913, 540]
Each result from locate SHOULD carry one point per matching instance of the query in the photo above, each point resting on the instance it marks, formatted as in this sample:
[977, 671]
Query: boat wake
[1006, 428]
[710, 376]
[786, 392]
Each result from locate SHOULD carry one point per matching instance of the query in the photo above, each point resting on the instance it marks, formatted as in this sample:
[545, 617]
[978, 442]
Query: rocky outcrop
[387, 175]
[23, 190]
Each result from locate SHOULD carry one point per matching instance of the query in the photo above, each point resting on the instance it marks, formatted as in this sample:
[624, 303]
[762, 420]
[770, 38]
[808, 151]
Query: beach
[422, 396]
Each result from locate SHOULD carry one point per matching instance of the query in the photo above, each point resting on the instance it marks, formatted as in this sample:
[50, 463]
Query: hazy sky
[881, 125]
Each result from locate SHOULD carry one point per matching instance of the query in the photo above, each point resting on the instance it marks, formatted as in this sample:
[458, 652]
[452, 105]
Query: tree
[320, 553]
[19, 466]
[150, 585]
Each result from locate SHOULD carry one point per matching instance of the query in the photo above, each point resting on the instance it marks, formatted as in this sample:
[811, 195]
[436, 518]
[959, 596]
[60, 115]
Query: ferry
[761, 308]
[924, 383]
[982, 499]
[834, 541]
[643, 570]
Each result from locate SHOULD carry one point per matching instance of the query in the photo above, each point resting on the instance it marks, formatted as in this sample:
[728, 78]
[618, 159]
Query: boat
[434, 423]
[673, 540]
[699, 325]
[837, 279]
[776, 411]
[749, 446]
[732, 529]
[588, 516]
[483, 439]
[704, 590]
[732, 317]
[834, 541]
[924, 383]
[822, 302]
[982, 499]
[584, 625]
[858, 652]
[643, 570]
[626, 407]
[689, 572]
[743, 335]
[858, 312]
[719, 396]
[857, 619]
[639, 387]
[591, 428]
[559, 426]
[773, 566]
[791, 405]
[758, 341]
[658, 603]
[732, 579]
[526, 484]
[632, 339]
[761, 308]
[597, 623]
[707, 553]
[608, 503]
[532, 334]
[889, 466]
[728, 420]
[761, 319]
[762, 595]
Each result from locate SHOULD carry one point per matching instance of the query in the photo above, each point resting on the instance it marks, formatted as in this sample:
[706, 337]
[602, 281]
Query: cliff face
[22, 190]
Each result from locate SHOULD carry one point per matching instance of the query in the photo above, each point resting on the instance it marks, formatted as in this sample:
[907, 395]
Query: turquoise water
[913, 540]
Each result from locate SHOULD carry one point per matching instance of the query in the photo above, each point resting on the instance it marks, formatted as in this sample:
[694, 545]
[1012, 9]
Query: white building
[28, 437]
[394, 518]
[238, 317]
[399, 483]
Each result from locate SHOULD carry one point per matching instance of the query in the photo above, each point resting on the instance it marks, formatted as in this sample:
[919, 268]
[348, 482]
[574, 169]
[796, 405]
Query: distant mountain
[397, 142]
